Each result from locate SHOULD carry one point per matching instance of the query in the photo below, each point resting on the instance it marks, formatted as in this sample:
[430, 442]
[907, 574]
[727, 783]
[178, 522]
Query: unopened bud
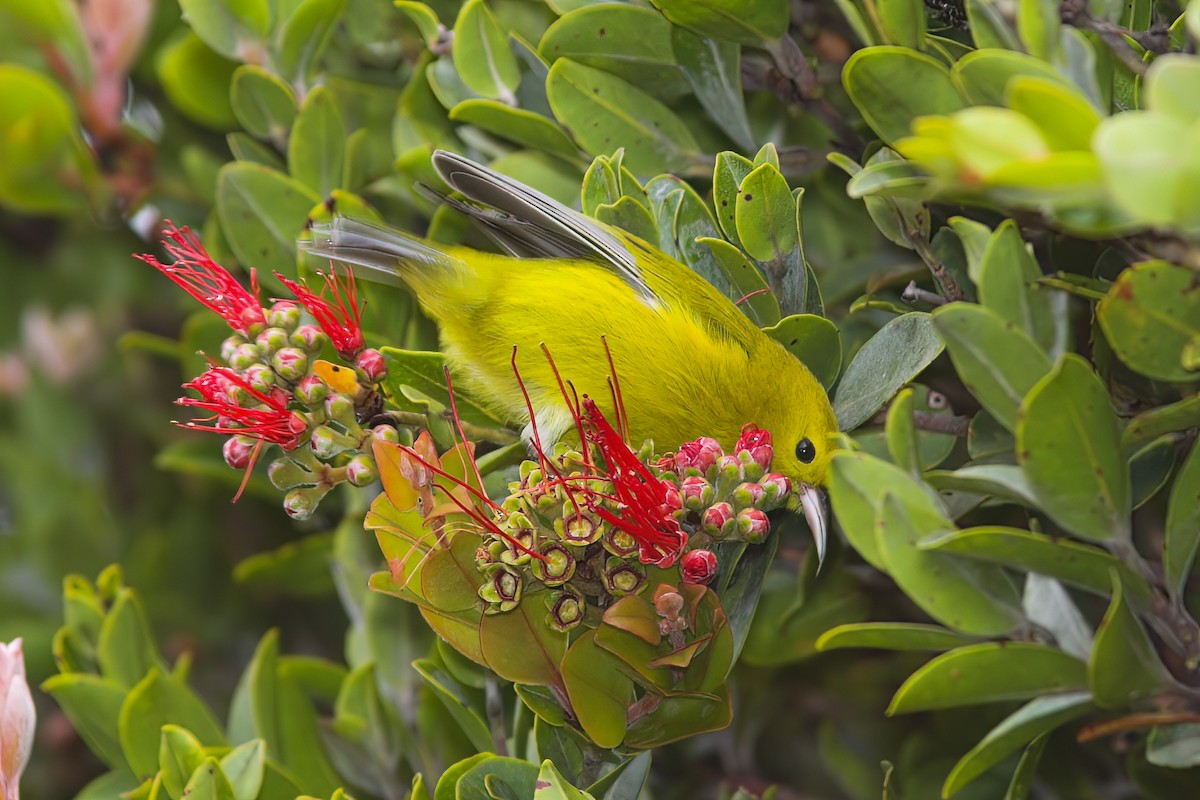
[718, 520]
[777, 487]
[311, 391]
[730, 470]
[340, 407]
[622, 577]
[753, 525]
[697, 493]
[698, 566]
[370, 366]
[18, 719]
[272, 339]
[361, 470]
[748, 495]
[699, 455]
[285, 473]
[566, 609]
[231, 344]
[385, 433]
[260, 377]
[556, 566]
[284, 314]
[301, 502]
[245, 355]
[239, 451]
[290, 363]
[327, 443]
[309, 338]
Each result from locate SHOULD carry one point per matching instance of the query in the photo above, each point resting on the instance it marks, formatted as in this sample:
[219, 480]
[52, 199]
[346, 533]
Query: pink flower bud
[718, 520]
[697, 493]
[239, 450]
[700, 454]
[284, 314]
[385, 433]
[699, 566]
[17, 719]
[748, 494]
[311, 390]
[309, 338]
[777, 486]
[260, 377]
[753, 525]
[361, 470]
[371, 365]
[752, 437]
[272, 339]
[290, 363]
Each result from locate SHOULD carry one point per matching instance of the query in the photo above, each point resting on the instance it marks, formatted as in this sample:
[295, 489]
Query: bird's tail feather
[377, 253]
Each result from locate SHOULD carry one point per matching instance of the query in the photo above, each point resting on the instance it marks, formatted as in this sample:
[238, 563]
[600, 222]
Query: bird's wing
[526, 222]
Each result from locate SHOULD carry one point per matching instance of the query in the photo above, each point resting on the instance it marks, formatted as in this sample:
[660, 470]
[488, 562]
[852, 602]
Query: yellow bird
[689, 363]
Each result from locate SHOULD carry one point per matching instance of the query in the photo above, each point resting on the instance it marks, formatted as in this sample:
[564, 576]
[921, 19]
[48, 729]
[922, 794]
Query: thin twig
[915, 294]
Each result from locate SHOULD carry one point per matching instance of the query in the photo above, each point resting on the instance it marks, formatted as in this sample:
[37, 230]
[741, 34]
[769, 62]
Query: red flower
[204, 279]
[273, 423]
[699, 566]
[701, 454]
[338, 317]
[647, 504]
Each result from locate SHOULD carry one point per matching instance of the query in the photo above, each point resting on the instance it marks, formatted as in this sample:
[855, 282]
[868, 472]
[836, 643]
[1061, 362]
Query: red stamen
[572, 407]
[755, 293]
[275, 423]
[618, 401]
[196, 273]
[467, 454]
[341, 318]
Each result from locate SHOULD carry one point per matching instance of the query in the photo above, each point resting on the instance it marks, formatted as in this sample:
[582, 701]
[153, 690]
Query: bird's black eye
[805, 451]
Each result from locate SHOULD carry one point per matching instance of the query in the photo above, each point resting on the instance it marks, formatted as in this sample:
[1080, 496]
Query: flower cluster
[271, 387]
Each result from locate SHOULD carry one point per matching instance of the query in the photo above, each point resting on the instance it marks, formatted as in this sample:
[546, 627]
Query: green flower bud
[748, 495]
[327, 443]
[260, 377]
[284, 314]
[300, 503]
[290, 363]
[567, 609]
[311, 391]
[308, 338]
[244, 355]
[385, 433]
[272, 339]
[361, 471]
[557, 565]
[231, 344]
[622, 577]
[340, 407]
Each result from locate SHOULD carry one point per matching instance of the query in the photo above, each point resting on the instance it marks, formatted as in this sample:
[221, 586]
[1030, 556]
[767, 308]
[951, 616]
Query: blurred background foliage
[1026, 170]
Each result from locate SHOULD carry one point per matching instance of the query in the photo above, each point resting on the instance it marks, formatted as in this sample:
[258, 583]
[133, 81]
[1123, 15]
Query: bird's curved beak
[811, 501]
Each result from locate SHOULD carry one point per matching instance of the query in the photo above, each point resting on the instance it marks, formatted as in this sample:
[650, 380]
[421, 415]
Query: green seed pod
[579, 529]
[619, 543]
[557, 565]
[622, 577]
[503, 590]
[567, 608]
[514, 555]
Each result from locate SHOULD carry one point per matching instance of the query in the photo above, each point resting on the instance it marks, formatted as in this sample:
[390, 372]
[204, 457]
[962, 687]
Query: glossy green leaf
[1182, 533]
[93, 705]
[599, 691]
[891, 358]
[901, 636]
[521, 646]
[989, 672]
[765, 215]
[317, 147]
[759, 303]
[997, 362]
[482, 57]
[1149, 315]
[1069, 447]
[713, 69]
[450, 694]
[518, 776]
[681, 717]
[1064, 117]
[551, 785]
[1035, 718]
[305, 35]
[236, 29]
[263, 104]
[157, 700]
[631, 215]
[1007, 274]
[448, 782]
[903, 22]
[729, 20]
[1170, 84]
[262, 213]
[972, 598]
[424, 17]
[1022, 780]
[1150, 425]
[604, 112]
[1124, 665]
[998, 480]
[814, 340]
[983, 76]
[892, 86]
[1150, 468]
[515, 124]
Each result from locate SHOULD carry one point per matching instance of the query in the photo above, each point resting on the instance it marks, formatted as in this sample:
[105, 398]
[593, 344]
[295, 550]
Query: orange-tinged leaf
[635, 615]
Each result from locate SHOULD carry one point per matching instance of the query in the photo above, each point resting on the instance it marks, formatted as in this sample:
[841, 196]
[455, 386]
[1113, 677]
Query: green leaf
[1007, 274]
[93, 705]
[447, 784]
[889, 360]
[1069, 447]
[299, 568]
[237, 29]
[448, 691]
[972, 598]
[262, 212]
[1146, 175]
[728, 173]
[126, 649]
[482, 57]
[1149, 315]
[1169, 87]
[1174, 746]
[903, 22]
[245, 767]
[599, 691]
[1065, 118]
[160, 700]
[196, 81]
[901, 636]
[518, 776]
[1156, 422]
[1022, 779]
[765, 215]
[631, 215]
[305, 35]
[263, 104]
[998, 363]
[515, 124]
[1004, 481]
[424, 18]
[713, 68]
[208, 782]
[759, 303]
[1182, 533]
[551, 785]
[179, 755]
[989, 672]
[983, 76]
[317, 147]
[423, 372]
[1124, 665]
[1039, 25]
[892, 86]
[681, 717]
[902, 443]
[1032, 720]
[521, 646]
[815, 341]
[729, 20]
[602, 111]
